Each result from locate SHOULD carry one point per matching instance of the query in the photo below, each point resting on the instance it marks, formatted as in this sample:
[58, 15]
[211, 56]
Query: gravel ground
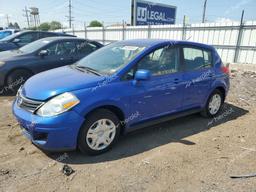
[184, 155]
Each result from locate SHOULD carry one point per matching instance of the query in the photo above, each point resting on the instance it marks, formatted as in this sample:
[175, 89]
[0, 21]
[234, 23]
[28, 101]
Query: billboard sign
[149, 13]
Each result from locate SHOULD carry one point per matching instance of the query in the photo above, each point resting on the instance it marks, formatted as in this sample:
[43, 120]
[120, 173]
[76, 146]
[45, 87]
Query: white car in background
[6, 32]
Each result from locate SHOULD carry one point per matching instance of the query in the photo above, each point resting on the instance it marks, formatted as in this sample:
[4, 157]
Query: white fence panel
[234, 42]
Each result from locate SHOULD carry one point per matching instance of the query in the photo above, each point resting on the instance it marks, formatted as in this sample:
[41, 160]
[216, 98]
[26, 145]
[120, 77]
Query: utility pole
[70, 18]
[239, 38]
[27, 16]
[7, 18]
[205, 3]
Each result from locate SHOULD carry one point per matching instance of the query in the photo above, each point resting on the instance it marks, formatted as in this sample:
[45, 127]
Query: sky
[115, 11]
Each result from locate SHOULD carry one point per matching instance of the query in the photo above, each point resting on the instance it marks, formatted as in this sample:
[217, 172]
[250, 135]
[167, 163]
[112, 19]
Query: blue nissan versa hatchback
[119, 88]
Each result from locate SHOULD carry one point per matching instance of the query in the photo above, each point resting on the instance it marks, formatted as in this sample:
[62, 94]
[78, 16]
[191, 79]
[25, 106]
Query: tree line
[50, 26]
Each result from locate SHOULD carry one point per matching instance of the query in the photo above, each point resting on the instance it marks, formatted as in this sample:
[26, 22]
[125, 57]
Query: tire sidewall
[90, 120]
[208, 101]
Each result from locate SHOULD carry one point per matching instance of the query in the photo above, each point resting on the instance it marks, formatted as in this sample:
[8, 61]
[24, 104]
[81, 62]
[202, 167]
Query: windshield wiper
[88, 69]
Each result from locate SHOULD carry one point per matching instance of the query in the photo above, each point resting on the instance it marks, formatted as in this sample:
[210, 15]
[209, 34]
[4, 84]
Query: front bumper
[56, 133]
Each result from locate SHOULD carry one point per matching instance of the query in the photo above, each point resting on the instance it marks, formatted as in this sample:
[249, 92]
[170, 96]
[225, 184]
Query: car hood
[56, 81]
[11, 55]
[5, 45]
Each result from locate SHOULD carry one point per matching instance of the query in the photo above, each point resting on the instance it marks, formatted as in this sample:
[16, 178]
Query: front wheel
[17, 78]
[99, 133]
[214, 104]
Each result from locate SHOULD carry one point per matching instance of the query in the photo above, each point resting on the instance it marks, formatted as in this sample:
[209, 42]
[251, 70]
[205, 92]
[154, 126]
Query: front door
[163, 92]
[59, 54]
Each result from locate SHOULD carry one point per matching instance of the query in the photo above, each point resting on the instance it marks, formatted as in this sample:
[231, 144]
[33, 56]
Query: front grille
[28, 104]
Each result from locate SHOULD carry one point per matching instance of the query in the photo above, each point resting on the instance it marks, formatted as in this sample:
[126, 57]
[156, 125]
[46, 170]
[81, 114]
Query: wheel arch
[15, 69]
[219, 87]
[222, 90]
[114, 109]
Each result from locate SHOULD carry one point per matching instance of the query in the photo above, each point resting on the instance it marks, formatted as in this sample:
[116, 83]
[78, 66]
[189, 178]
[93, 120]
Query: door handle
[176, 81]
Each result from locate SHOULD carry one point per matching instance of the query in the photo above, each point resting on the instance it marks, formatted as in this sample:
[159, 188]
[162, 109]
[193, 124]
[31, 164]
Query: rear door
[198, 75]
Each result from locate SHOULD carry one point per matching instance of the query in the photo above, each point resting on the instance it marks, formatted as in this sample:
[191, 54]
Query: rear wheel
[214, 104]
[99, 133]
[15, 79]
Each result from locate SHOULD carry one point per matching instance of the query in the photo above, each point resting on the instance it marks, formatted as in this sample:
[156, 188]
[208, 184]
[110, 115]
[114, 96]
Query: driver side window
[58, 49]
[162, 61]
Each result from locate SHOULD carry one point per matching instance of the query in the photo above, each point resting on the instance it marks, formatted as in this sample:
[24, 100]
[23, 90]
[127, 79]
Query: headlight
[19, 91]
[58, 105]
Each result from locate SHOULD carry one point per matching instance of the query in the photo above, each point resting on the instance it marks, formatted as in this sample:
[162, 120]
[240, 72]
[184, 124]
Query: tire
[209, 111]
[97, 129]
[17, 78]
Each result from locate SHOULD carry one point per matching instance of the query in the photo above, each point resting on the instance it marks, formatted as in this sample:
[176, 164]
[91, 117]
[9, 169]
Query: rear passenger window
[197, 58]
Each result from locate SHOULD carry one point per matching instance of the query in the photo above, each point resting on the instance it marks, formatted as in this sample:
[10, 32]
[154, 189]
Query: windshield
[109, 59]
[34, 46]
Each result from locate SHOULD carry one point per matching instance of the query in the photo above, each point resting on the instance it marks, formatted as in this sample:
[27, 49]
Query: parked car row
[22, 38]
[18, 65]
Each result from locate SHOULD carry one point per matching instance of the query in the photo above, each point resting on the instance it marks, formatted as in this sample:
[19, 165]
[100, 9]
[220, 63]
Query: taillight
[225, 70]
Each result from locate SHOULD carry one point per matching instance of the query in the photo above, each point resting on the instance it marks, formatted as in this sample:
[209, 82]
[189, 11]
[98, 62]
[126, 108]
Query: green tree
[31, 28]
[44, 26]
[11, 26]
[95, 23]
[55, 25]
[16, 25]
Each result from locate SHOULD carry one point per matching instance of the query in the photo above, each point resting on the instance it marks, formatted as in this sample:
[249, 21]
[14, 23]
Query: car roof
[55, 38]
[154, 42]
[8, 30]
[59, 38]
[48, 32]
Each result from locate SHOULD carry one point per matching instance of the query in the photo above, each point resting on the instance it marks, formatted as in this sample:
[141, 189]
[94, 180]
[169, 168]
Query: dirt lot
[187, 154]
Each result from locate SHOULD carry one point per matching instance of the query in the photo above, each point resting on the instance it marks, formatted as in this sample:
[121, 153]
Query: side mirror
[16, 40]
[142, 75]
[43, 53]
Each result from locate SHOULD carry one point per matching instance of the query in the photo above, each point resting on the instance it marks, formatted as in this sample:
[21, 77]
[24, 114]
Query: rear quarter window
[197, 58]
